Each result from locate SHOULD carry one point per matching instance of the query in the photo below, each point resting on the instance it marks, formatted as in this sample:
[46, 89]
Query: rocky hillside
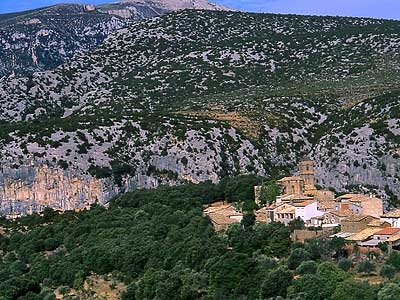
[44, 38]
[198, 95]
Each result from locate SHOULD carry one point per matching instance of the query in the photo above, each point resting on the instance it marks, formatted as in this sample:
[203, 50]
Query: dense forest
[159, 246]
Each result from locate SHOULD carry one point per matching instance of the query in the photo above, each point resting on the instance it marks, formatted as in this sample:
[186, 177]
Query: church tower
[306, 172]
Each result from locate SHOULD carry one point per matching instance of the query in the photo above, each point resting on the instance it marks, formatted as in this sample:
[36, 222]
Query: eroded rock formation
[29, 189]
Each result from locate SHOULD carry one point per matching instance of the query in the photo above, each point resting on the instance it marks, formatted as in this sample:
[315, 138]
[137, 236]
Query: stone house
[360, 204]
[348, 206]
[364, 237]
[220, 222]
[270, 211]
[316, 221]
[379, 224]
[222, 215]
[292, 198]
[372, 237]
[261, 215]
[285, 214]
[356, 223]
[335, 217]
[324, 196]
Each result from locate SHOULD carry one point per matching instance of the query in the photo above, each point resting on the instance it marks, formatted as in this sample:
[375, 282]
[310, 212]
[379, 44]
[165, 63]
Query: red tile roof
[388, 231]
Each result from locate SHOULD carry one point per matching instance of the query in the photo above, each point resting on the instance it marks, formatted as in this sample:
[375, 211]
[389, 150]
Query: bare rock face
[66, 175]
[363, 151]
[30, 189]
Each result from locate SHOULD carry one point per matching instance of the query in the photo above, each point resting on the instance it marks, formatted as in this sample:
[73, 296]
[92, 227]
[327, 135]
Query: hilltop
[44, 38]
[200, 95]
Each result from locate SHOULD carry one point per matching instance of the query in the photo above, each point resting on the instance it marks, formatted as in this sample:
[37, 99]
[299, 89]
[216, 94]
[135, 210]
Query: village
[357, 218]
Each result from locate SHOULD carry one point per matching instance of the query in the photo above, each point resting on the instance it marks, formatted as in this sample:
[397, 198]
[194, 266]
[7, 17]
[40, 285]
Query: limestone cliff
[30, 189]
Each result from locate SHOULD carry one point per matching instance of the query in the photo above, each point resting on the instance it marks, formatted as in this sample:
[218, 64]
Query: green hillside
[155, 244]
[200, 95]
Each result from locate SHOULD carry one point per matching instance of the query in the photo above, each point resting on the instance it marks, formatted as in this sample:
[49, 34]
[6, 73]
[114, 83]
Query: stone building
[360, 204]
[336, 217]
[285, 214]
[324, 195]
[292, 185]
[384, 234]
[306, 210]
[222, 215]
[306, 172]
[356, 223]
[262, 215]
[293, 198]
[269, 213]
[303, 183]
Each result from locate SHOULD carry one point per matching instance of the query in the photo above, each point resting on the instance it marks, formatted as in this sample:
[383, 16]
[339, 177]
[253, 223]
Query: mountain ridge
[200, 95]
[43, 38]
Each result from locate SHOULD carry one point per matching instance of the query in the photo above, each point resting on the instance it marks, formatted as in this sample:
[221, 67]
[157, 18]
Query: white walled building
[392, 217]
[307, 210]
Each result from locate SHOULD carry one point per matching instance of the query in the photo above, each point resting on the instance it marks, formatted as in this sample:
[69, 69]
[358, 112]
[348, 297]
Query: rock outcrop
[29, 189]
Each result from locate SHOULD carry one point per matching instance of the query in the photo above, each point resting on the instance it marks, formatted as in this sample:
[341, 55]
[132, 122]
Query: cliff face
[29, 189]
[362, 150]
[75, 169]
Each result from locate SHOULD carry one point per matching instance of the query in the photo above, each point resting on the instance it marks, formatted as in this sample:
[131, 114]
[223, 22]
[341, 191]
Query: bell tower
[306, 172]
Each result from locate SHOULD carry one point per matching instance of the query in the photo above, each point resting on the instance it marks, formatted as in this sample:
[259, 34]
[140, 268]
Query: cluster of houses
[222, 215]
[360, 218]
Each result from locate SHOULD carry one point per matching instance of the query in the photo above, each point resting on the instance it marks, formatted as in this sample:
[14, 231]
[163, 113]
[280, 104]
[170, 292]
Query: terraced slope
[198, 95]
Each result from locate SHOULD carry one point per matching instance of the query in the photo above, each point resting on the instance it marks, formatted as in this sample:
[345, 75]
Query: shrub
[345, 264]
[366, 267]
[297, 257]
[307, 267]
[388, 271]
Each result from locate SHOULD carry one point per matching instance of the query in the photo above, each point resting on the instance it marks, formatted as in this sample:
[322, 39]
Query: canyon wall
[29, 189]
